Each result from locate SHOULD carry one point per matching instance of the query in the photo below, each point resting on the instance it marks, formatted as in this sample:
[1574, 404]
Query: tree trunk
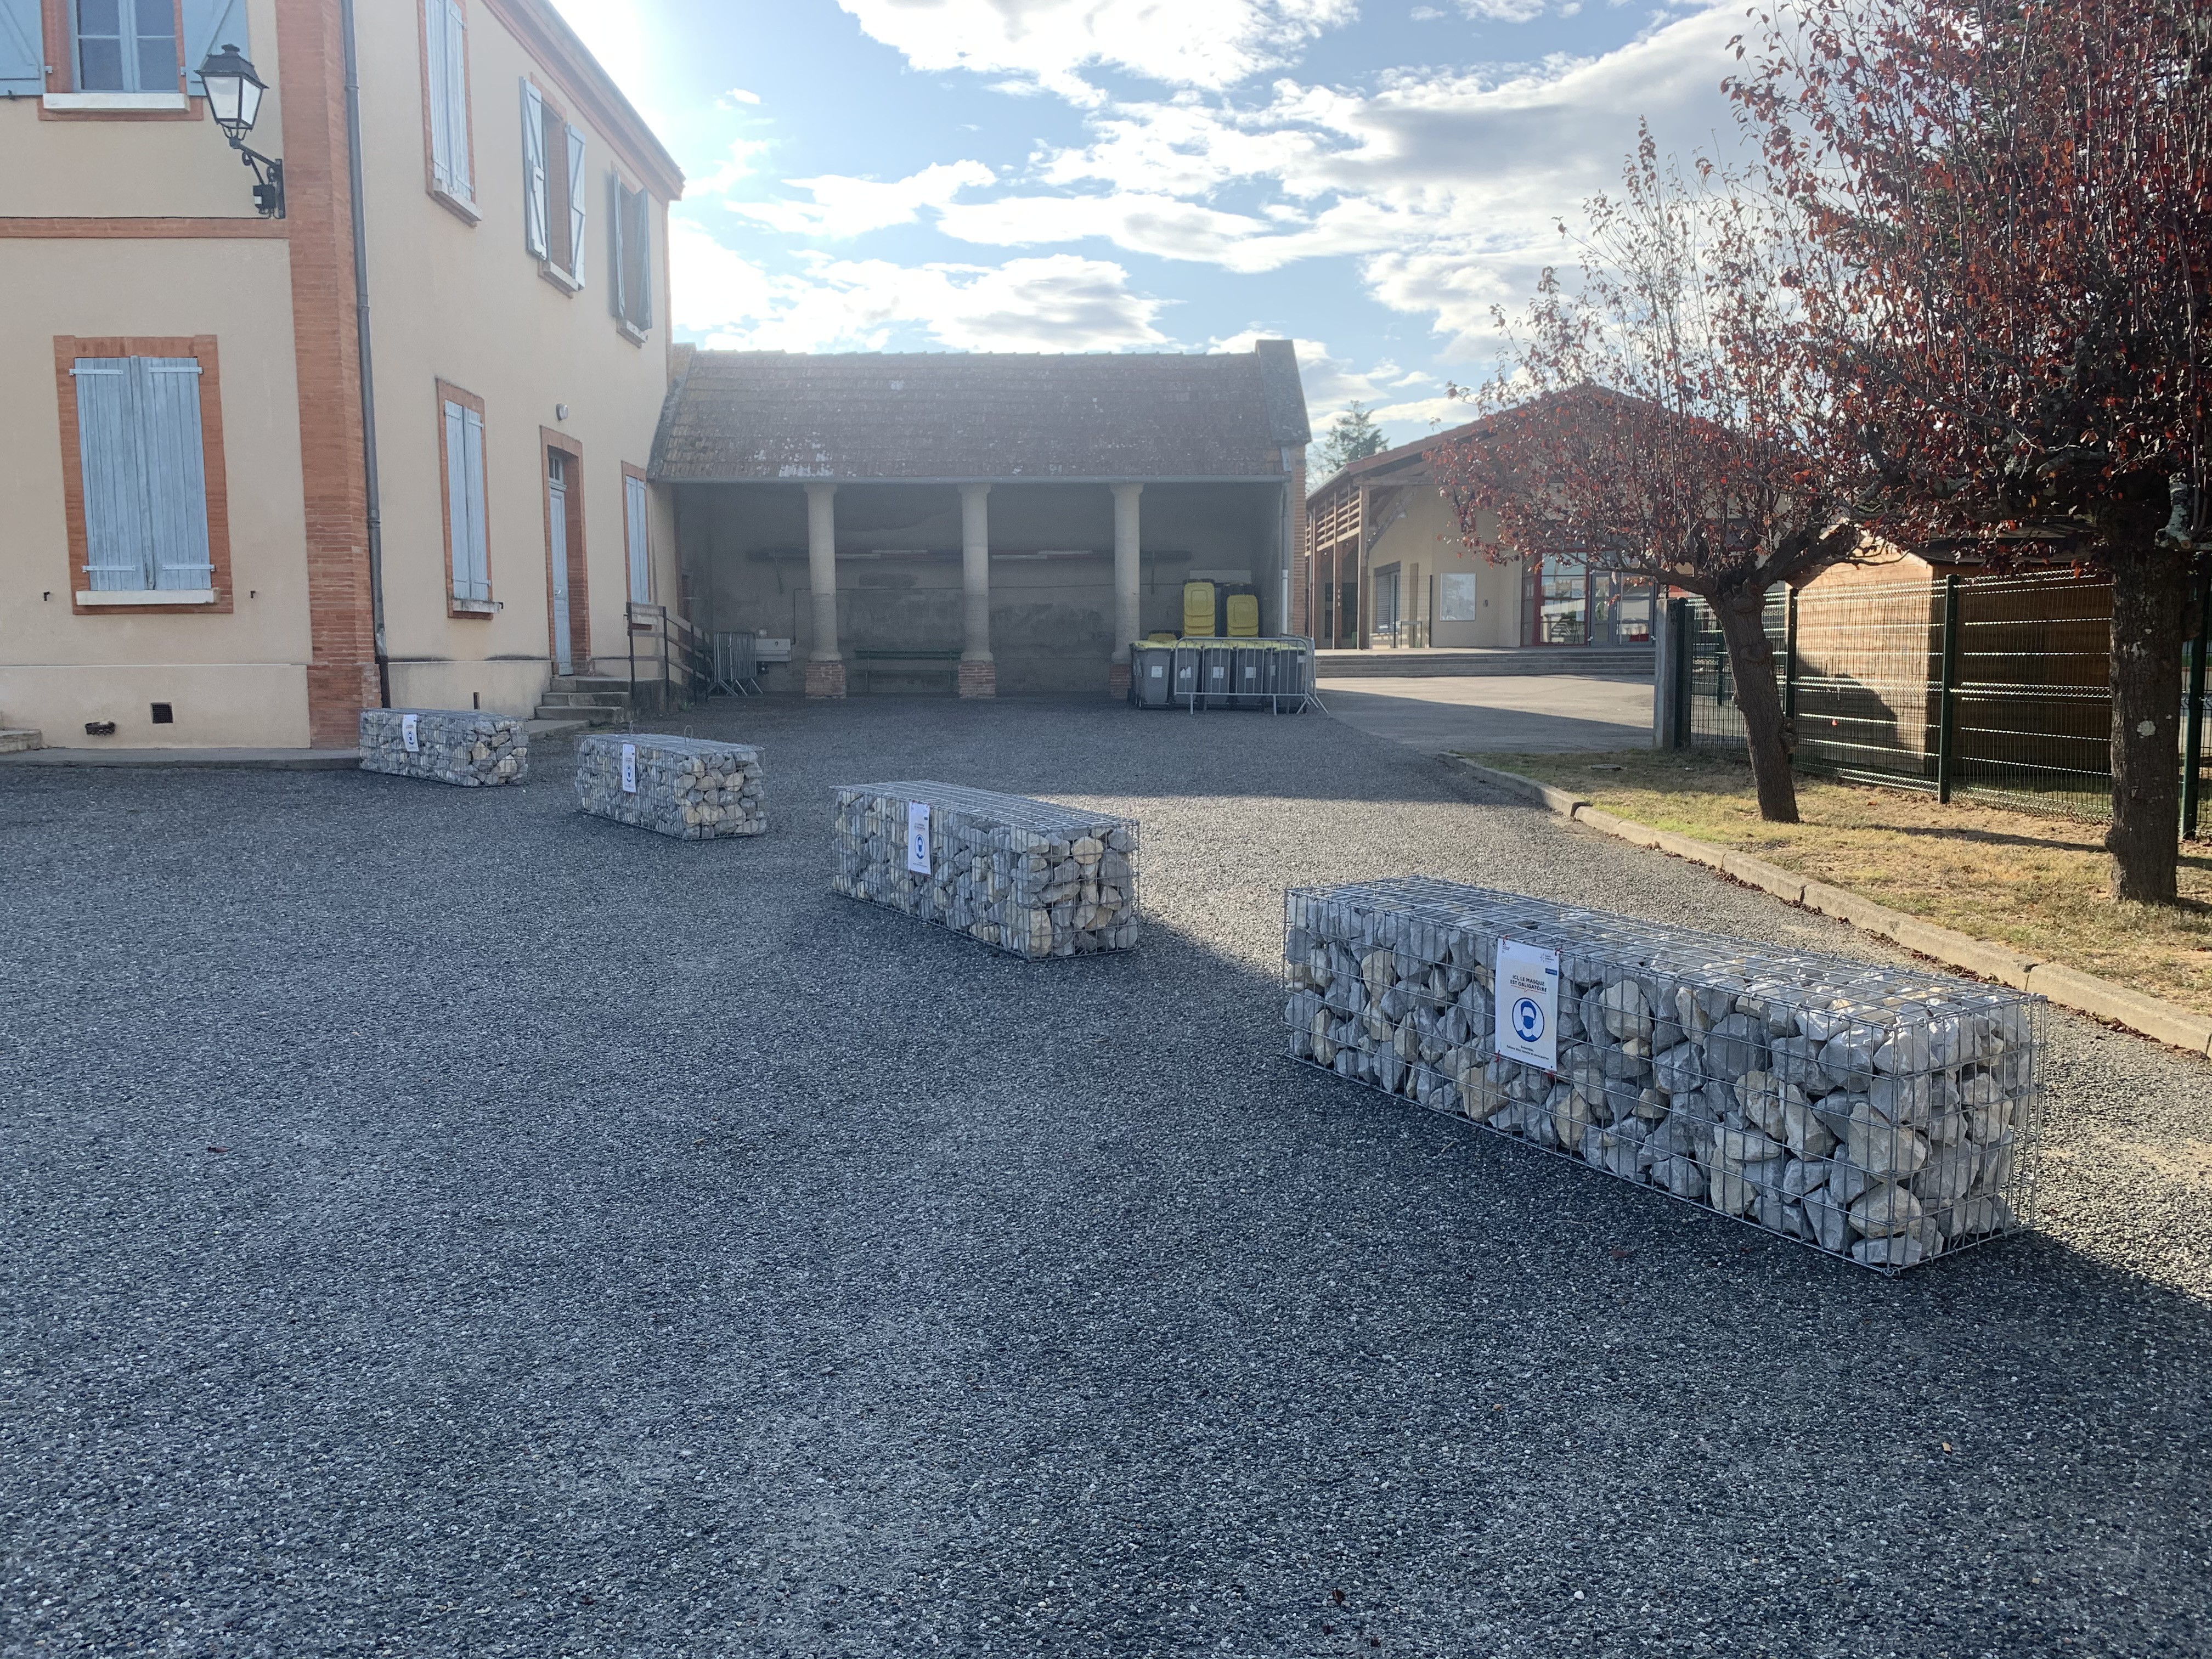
[2150, 591]
[1743, 624]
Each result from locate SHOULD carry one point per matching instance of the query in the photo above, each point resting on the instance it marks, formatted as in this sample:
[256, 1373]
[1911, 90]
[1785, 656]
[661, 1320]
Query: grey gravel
[623, 1246]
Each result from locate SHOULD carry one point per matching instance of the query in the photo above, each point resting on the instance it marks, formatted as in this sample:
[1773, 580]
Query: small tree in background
[2012, 200]
[1652, 418]
[1352, 436]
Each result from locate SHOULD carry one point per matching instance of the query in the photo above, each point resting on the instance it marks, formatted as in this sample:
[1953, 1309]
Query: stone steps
[594, 699]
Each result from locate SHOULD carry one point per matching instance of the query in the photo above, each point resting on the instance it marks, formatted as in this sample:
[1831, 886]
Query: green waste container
[1183, 676]
[1253, 674]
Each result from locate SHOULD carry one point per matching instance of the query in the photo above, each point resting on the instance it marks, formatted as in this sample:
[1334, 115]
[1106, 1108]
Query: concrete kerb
[2068, 987]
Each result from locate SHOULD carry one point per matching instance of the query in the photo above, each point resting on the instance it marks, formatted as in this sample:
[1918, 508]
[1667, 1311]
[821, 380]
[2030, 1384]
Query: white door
[557, 515]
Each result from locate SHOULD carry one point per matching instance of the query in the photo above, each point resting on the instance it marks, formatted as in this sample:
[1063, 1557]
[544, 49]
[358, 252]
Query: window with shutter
[635, 523]
[144, 475]
[467, 541]
[629, 244]
[574, 263]
[537, 215]
[445, 73]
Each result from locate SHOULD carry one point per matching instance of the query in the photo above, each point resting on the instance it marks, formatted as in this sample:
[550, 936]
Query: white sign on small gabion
[1026, 875]
[462, 746]
[688, 787]
[1886, 1115]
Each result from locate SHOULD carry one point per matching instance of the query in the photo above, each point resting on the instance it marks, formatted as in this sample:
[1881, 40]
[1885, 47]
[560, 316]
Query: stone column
[825, 667]
[979, 671]
[1125, 585]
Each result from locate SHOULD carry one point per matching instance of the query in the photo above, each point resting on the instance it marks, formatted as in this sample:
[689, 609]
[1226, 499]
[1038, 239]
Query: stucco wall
[231, 678]
[467, 303]
[1051, 618]
[1427, 533]
[141, 167]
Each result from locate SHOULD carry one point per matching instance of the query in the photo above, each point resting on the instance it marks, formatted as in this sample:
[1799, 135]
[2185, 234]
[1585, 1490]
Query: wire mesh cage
[1884, 1114]
[1027, 877]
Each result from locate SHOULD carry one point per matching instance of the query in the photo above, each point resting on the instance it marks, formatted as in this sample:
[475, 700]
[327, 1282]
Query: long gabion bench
[688, 787]
[1884, 1114]
[460, 746]
[1026, 875]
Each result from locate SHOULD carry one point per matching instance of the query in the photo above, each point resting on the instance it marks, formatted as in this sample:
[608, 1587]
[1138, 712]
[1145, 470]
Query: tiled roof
[741, 415]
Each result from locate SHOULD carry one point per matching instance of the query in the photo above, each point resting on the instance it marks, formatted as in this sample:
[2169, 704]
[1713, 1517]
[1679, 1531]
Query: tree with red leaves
[2010, 202]
[1657, 417]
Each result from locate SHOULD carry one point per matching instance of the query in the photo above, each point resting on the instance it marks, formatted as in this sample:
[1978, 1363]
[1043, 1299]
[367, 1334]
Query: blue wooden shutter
[435, 61]
[641, 560]
[641, 277]
[210, 24]
[175, 471]
[465, 500]
[479, 546]
[458, 166]
[534, 205]
[618, 230]
[575, 205]
[22, 49]
[118, 544]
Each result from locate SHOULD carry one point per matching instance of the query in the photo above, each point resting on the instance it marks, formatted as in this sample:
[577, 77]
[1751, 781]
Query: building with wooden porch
[987, 522]
[1391, 570]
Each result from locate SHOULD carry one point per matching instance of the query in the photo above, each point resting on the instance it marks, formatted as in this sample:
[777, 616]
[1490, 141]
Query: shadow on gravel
[440, 1223]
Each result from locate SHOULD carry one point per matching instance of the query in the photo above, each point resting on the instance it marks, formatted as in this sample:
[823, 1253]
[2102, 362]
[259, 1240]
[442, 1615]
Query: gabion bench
[1885, 1114]
[1024, 876]
[683, 787]
[458, 746]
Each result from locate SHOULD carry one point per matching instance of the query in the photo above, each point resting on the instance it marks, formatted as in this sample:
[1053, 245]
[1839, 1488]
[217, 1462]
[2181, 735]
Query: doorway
[569, 619]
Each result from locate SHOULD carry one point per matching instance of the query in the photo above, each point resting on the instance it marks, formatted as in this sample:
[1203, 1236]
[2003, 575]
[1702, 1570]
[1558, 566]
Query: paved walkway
[1538, 713]
[437, 1223]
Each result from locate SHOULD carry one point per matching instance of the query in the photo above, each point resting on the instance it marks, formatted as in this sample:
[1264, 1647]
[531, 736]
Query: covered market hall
[987, 522]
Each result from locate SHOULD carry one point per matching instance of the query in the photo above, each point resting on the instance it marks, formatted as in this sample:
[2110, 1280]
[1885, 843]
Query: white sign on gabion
[688, 787]
[1883, 1114]
[461, 747]
[1026, 875]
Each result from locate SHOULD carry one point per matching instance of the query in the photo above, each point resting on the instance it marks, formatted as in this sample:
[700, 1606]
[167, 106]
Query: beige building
[1388, 568]
[226, 522]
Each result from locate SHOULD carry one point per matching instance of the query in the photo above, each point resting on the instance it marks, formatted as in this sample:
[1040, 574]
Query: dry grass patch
[2036, 884]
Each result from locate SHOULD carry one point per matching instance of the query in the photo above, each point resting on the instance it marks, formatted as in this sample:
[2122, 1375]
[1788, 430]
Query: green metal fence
[1995, 687]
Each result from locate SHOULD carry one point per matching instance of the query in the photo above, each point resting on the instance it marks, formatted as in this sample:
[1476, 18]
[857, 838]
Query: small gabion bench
[1026, 875]
[684, 787]
[1888, 1115]
[448, 746]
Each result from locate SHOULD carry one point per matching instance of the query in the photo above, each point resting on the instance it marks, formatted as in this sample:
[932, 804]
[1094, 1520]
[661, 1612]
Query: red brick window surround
[449, 166]
[61, 49]
[464, 502]
[172, 486]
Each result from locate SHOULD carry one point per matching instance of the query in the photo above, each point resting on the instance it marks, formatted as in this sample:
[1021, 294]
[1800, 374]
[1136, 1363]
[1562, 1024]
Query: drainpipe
[1289, 546]
[371, 495]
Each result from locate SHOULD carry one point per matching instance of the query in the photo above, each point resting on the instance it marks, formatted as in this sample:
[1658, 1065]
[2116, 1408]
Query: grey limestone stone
[459, 746]
[687, 787]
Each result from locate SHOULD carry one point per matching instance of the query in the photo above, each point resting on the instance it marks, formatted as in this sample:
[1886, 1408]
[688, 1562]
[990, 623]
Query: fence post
[1678, 626]
[1947, 710]
[2192, 739]
[1790, 658]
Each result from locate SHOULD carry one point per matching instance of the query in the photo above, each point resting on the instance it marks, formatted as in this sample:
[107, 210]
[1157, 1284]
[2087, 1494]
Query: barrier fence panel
[1993, 687]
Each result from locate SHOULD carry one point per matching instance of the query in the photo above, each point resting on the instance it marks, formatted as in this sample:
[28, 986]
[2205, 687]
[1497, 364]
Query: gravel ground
[439, 1223]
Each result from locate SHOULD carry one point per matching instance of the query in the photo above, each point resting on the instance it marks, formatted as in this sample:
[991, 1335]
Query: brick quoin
[319, 206]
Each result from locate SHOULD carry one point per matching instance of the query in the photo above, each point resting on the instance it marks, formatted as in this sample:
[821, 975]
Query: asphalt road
[1518, 713]
[438, 1223]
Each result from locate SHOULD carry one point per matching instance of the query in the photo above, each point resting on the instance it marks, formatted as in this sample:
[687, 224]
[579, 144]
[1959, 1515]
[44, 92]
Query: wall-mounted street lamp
[233, 92]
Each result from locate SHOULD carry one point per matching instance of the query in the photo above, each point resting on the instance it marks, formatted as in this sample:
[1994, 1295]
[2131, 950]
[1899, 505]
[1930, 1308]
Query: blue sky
[1156, 175]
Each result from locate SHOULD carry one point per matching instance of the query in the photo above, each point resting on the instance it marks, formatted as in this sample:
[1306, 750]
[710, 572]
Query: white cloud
[739, 95]
[1502, 11]
[847, 207]
[1191, 43]
[1057, 303]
